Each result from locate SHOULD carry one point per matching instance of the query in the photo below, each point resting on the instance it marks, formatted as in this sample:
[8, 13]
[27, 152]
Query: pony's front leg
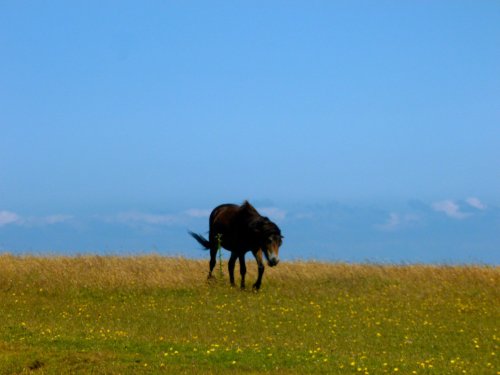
[230, 267]
[260, 265]
[243, 270]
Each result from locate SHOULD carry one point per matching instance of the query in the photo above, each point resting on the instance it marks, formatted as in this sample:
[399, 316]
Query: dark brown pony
[241, 229]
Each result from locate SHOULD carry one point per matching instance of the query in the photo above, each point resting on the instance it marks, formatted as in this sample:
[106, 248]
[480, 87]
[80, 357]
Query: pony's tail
[203, 242]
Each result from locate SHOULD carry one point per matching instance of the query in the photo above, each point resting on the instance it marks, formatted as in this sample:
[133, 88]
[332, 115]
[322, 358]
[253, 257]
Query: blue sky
[367, 130]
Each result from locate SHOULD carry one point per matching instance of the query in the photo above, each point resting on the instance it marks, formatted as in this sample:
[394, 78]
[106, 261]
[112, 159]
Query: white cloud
[392, 223]
[144, 218]
[450, 209]
[396, 221]
[476, 203]
[304, 215]
[55, 219]
[273, 212]
[197, 213]
[7, 217]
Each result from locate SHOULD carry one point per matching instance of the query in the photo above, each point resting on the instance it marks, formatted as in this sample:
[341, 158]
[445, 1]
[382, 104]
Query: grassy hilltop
[132, 315]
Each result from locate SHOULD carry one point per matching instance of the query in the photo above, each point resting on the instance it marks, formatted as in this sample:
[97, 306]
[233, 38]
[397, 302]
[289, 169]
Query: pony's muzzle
[273, 261]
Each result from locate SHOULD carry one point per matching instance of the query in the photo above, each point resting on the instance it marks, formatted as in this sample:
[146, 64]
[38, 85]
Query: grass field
[133, 315]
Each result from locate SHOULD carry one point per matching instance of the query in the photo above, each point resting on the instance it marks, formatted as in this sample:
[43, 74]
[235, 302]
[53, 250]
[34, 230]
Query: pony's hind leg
[230, 267]
[213, 260]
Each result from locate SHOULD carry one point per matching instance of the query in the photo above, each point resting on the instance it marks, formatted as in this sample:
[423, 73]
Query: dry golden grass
[151, 271]
[104, 272]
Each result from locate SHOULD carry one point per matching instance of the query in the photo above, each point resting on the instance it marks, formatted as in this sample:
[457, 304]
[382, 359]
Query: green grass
[112, 315]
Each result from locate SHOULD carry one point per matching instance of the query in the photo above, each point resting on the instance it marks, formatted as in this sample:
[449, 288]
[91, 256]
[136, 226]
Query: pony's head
[272, 248]
[272, 241]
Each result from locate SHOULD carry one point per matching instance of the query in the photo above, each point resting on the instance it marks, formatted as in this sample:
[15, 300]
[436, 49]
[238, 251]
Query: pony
[240, 229]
